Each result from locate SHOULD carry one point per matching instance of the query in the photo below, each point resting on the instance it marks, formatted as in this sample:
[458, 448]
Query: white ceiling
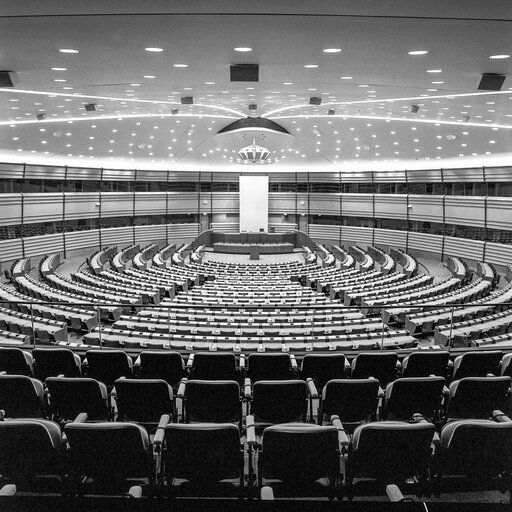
[372, 128]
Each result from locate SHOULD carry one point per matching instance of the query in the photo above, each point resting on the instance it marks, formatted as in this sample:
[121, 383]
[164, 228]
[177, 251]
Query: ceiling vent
[91, 107]
[8, 78]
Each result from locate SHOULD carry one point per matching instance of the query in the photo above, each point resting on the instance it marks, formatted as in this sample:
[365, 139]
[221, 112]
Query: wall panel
[78, 240]
[499, 213]
[425, 242]
[117, 236]
[498, 254]
[152, 233]
[81, 205]
[281, 202]
[464, 248]
[426, 208]
[325, 232]
[390, 237]
[11, 249]
[150, 203]
[10, 209]
[352, 234]
[42, 207]
[45, 244]
[357, 205]
[182, 202]
[469, 211]
[325, 204]
[117, 204]
[393, 206]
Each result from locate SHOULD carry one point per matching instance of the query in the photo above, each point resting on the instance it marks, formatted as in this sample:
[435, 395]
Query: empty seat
[269, 367]
[214, 366]
[22, 397]
[51, 362]
[29, 450]
[203, 454]
[144, 400]
[278, 401]
[216, 401]
[415, 395]
[16, 361]
[477, 451]
[424, 364]
[161, 364]
[476, 364]
[105, 458]
[353, 400]
[390, 452]
[323, 367]
[69, 397]
[108, 365]
[304, 459]
[380, 365]
[477, 397]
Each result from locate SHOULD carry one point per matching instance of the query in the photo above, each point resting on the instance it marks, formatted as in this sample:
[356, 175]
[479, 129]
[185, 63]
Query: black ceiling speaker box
[187, 100]
[175, 111]
[245, 72]
[253, 106]
[41, 117]
[8, 78]
[331, 112]
[491, 82]
[90, 107]
[415, 109]
[315, 101]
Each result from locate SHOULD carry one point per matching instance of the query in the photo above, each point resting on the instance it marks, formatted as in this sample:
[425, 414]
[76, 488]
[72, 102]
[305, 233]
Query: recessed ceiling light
[59, 69]
[499, 56]
[242, 49]
[154, 50]
[438, 82]
[310, 66]
[210, 83]
[59, 80]
[346, 77]
[363, 85]
[67, 50]
[434, 70]
[149, 76]
[331, 50]
[287, 83]
[180, 65]
[418, 52]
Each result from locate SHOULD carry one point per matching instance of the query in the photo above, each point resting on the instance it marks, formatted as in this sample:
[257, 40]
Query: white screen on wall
[253, 203]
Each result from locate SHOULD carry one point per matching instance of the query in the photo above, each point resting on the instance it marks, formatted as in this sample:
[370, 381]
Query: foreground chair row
[108, 365]
[296, 459]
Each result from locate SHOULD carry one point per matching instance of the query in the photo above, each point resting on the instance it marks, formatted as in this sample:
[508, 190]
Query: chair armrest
[160, 430]
[394, 493]
[8, 490]
[313, 392]
[446, 391]
[3, 372]
[342, 435]
[134, 492]
[242, 362]
[81, 418]
[490, 375]
[190, 361]
[267, 493]
[500, 417]
[380, 393]
[137, 361]
[247, 389]
[181, 388]
[293, 362]
[250, 430]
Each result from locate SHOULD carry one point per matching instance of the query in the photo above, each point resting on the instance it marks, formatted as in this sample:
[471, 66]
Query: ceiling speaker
[315, 101]
[8, 78]
[244, 72]
[41, 117]
[331, 112]
[187, 100]
[253, 106]
[415, 109]
[491, 82]
[175, 111]
[90, 107]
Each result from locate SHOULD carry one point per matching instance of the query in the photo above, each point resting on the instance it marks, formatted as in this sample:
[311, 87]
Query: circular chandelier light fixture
[254, 154]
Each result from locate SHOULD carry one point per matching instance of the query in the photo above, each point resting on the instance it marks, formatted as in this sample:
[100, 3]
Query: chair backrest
[29, 447]
[212, 401]
[477, 448]
[16, 361]
[477, 397]
[424, 364]
[299, 453]
[144, 400]
[109, 452]
[477, 364]
[202, 452]
[22, 397]
[353, 400]
[214, 366]
[71, 396]
[50, 362]
[323, 367]
[391, 451]
[160, 364]
[269, 367]
[506, 366]
[279, 401]
[108, 365]
[381, 365]
[407, 396]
